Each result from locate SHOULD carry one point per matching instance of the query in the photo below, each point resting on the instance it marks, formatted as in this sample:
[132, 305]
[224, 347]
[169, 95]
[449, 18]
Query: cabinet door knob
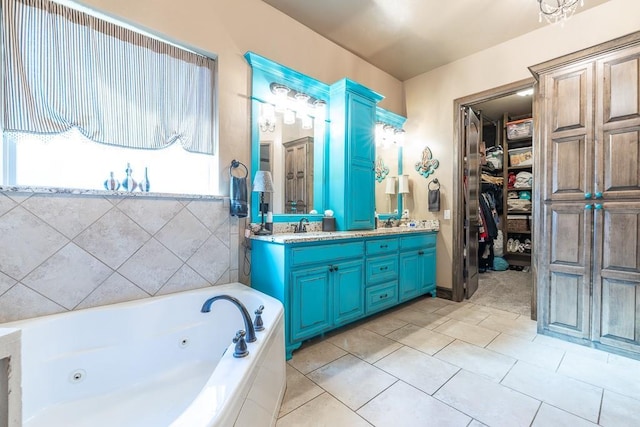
[420, 252]
[384, 246]
[599, 195]
[588, 206]
[335, 268]
[587, 196]
[331, 269]
[383, 296]
[598, 206]
[383, 268]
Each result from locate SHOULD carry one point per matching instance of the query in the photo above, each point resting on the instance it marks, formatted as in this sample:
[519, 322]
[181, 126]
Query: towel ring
[434, 181]
[235, 164]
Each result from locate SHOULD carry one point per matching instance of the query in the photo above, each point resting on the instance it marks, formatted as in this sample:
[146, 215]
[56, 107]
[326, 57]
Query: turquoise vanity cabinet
[382, 274]
[352, 155]
[417, 266]
[325, 286]
[325, 283]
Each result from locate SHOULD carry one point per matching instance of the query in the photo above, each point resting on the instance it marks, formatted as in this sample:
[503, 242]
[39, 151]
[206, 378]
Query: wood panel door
[472, 199]
[567, 129]
[565, 282]
[618, 126]
[616, 265]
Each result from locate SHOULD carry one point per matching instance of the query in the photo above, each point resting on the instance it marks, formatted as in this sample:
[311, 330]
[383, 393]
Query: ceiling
[406, 38]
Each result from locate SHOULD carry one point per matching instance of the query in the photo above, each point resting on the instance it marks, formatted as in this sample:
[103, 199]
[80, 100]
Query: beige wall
[430, 96]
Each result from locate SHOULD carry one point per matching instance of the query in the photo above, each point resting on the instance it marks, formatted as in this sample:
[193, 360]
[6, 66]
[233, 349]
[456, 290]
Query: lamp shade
[391, 185]
[262, 182]
[403, 184]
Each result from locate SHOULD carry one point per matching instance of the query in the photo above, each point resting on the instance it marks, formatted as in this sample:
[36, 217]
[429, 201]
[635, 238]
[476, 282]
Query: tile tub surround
[63, 251]
[417, 374]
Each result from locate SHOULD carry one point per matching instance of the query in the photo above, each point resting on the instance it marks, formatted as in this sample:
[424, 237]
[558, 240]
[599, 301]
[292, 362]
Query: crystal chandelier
[557, 10]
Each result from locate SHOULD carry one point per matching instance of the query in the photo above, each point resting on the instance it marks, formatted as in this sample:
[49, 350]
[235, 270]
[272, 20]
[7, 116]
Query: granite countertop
[316, 236]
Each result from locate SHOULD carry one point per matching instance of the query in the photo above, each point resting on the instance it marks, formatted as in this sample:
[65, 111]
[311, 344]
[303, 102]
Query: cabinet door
[360, 188]
[567, 134]
[310, 302]
[618, 126]
[616, 263]
[409, 275]
[348, 291]
[564, 272]
[427, 272]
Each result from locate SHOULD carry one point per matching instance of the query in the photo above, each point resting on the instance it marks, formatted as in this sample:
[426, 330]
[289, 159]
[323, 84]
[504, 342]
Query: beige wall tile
[26, 241]
[68, 276]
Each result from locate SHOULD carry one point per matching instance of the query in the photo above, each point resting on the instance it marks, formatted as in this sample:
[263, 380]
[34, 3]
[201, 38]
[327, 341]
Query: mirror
[388, 167]
[289, 136]
[387, 161]
[287, 151]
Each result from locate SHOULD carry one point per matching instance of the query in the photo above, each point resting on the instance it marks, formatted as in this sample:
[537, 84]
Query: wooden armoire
[298, 176]
[587, 196]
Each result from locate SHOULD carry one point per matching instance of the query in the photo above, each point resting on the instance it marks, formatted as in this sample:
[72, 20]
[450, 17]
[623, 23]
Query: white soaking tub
[154, 363]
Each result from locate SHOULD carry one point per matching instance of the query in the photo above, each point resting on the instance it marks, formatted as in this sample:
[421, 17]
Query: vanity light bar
[303, 104]
[386, 133]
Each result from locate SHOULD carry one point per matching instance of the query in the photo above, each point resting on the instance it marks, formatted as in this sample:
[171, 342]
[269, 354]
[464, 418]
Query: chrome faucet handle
[258, 324]
[241, 344]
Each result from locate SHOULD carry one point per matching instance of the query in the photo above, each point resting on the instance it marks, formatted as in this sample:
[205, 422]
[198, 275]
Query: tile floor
[437, 363]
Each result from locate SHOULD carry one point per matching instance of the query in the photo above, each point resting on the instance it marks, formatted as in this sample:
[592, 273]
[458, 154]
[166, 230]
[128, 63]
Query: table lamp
[262, 183]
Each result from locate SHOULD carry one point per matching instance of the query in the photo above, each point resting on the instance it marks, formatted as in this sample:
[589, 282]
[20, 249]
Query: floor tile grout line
[381, 391]
[536, 414]
[550, 403]
[453, 407]
[328, 363]
[601, 406]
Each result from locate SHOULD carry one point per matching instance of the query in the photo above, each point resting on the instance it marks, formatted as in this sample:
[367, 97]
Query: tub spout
[248, 324]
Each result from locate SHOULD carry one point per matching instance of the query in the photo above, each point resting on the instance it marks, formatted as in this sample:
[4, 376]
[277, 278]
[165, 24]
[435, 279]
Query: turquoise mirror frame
[388, 118]
[266, 72]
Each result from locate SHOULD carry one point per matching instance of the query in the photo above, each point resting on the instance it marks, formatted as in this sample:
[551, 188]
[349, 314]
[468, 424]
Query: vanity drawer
[418, 241]
[380, 246]
[319, 253]
[381, 296]
[382, 269]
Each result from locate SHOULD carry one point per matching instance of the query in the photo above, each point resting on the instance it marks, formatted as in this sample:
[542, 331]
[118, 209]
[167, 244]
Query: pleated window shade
[66, 69]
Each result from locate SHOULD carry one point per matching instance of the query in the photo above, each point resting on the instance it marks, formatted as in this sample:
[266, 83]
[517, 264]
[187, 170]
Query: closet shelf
[519, 168]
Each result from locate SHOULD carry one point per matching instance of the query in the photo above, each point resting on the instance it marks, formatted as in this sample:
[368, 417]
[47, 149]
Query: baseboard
[444, 293]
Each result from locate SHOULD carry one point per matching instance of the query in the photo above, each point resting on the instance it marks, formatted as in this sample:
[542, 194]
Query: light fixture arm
[557, 10]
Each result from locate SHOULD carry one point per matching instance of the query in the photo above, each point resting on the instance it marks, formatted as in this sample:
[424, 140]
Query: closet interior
[506, 182]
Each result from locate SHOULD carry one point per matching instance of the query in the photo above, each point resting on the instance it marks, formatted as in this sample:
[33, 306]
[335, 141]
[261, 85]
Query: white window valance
[66, 69]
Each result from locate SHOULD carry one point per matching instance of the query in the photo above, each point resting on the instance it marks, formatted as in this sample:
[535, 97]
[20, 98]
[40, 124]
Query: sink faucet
[301, 228]
[389, 222]
[248, 324]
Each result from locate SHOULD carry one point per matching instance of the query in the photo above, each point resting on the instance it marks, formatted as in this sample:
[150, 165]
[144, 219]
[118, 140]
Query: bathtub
[153, 363]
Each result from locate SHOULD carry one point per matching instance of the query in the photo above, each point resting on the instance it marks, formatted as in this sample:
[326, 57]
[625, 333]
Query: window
[84, 97]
